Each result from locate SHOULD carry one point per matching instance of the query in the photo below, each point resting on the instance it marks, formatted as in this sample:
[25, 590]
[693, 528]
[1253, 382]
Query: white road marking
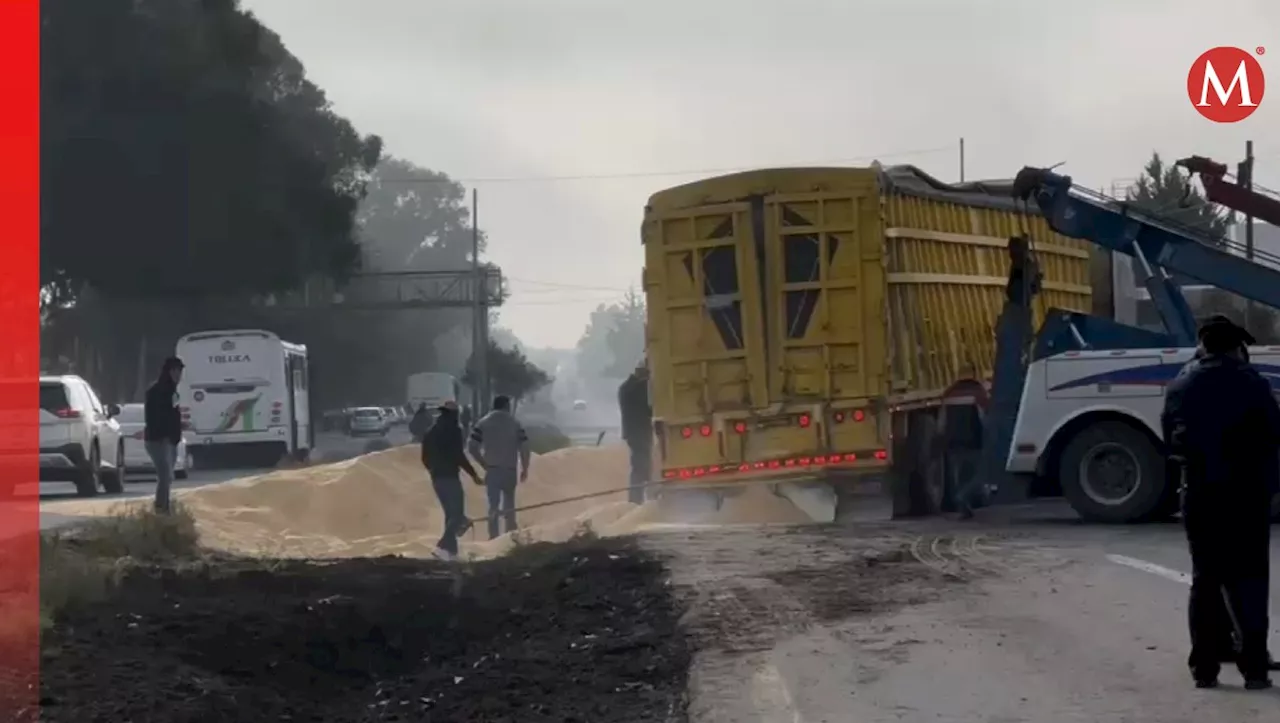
[1167, 573]
[772, 698]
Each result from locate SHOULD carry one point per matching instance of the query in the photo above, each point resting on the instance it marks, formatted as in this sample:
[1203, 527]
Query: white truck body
[245, 387]
[433, 389]
[1130, 383]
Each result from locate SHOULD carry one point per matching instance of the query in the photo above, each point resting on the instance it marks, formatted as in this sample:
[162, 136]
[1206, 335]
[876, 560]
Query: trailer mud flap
[815, 499]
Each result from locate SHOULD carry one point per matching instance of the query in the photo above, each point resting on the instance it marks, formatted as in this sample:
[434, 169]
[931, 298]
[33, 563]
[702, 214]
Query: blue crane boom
[1159, 243]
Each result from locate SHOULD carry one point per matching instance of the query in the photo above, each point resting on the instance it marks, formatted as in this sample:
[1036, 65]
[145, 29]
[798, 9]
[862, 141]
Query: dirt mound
[382, 503]
[575, 633]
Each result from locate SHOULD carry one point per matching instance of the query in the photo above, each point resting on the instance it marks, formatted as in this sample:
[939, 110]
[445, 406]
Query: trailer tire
[1113, 473]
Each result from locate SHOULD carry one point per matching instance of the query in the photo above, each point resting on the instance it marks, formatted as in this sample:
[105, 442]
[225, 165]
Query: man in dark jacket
[162, 430]
[1222, 427]
[637, 428]
[444, 457]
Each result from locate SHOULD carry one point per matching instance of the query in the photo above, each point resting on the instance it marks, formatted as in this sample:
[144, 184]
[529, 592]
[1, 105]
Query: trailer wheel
[1113, 473]
[918, 478]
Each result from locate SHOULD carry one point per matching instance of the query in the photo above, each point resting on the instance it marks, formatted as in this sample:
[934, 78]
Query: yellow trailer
[814, 319]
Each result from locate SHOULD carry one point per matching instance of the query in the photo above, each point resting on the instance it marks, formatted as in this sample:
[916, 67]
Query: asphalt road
[1022, 616]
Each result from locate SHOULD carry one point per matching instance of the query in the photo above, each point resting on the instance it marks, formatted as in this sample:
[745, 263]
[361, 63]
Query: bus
[244, 396]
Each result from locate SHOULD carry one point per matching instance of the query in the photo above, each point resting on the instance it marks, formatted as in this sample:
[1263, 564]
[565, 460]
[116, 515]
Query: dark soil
[580, 632]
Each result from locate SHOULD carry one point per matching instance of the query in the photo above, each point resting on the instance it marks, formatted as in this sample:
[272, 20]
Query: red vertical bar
[19, 358]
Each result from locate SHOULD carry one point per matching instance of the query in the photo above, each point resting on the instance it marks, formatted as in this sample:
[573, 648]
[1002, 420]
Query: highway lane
[1035, 618]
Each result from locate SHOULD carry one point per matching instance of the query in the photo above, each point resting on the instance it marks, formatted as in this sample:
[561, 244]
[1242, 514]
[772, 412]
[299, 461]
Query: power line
[560, 302]
[655, 174]
[557, 285]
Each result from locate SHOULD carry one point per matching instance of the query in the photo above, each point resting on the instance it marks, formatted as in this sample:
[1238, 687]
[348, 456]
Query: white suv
[80, 440]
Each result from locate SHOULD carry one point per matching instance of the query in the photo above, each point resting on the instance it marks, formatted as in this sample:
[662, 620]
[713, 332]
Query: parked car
[368, 420]
[393, 415]
[80, 440]
[132, 419]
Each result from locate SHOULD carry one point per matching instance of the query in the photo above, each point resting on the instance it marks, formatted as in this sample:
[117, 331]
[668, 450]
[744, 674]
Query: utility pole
[1244, 175]
[479, 319]
[962, 159]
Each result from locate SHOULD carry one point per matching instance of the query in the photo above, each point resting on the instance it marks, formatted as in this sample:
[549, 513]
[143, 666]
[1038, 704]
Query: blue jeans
[453, 504]
[164, 455]
[500, 485]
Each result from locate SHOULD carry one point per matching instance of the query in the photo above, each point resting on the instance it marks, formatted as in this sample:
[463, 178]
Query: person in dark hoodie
[1219, 617]
[637, 429]
[445, 458]
[1221, 425]
[162, 429]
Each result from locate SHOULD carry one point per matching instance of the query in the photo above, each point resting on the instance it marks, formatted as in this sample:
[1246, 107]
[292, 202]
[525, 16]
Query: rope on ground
[677, 486]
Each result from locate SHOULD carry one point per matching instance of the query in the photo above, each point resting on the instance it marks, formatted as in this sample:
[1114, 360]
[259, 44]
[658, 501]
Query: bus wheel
[1112, 472]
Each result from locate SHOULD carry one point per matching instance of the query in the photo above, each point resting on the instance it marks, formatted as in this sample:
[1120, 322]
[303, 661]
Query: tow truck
[1074, 408]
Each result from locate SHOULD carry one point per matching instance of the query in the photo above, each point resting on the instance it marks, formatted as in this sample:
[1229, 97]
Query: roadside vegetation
[84, 566]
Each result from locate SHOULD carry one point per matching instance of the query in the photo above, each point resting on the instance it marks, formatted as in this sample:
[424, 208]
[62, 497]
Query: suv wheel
[113, 479]
[88, 479]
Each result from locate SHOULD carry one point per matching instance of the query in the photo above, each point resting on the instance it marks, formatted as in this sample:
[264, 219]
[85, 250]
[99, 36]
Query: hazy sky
[567, 114]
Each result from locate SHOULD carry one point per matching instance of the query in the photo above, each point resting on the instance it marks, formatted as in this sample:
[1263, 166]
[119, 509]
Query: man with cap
[444, 457]
[637, 428]
[162, 429]
[1222, 429]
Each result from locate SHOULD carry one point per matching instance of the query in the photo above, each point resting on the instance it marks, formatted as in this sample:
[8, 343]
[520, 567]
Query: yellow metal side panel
[826, 284]
[704, 336]
[947, 268]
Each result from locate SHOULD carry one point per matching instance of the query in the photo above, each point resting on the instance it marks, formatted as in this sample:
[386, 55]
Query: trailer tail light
[705, 430]
[856, 415]
[838, 416]
[686, 432]
[804, 420]
[859, 415]
[786, 463]
[740, 427]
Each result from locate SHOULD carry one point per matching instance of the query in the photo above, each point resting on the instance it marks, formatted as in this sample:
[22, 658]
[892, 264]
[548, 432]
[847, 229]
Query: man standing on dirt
[1221, 424]
[637, 428]
[444, 457]
[498, 441]
[162, 431]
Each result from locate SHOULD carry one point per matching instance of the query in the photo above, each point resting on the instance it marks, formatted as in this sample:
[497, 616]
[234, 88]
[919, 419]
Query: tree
[185, 154]
[510, 373]
[415, 219]
[1165, 191]
[613, 343]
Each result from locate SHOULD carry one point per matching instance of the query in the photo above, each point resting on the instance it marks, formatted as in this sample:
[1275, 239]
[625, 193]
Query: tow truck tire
[1134, 462]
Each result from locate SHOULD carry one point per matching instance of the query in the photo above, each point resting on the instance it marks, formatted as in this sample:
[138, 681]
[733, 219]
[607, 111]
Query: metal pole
[478, 371]
[1247, 182]
[1248, 185]
[962, 160]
